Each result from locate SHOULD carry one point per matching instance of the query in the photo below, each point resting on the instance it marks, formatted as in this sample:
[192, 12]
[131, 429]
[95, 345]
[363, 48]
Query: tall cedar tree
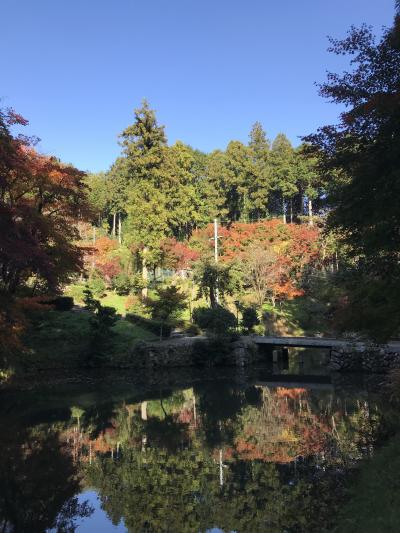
[260, 187]
[284, 179]
[144, 145]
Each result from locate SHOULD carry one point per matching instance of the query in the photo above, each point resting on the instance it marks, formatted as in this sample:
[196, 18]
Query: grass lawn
[59, 338]
[374, 499]
[112, 299]
[298, 317]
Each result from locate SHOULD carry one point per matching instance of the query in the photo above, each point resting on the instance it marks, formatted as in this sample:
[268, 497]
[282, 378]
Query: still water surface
[221, 452]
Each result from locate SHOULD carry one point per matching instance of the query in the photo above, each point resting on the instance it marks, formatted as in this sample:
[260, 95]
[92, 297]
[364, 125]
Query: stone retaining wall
[187, 351]
[373, 359]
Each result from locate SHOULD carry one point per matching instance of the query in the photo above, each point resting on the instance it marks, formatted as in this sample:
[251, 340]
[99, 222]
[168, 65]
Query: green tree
[144, 146]
[182, 202]
[167, 306]
[215, 320]
[101, 322]
[260, 187]
[98, 194]
[282, 165]
[213, 279]
[309, 179]
[249, 319]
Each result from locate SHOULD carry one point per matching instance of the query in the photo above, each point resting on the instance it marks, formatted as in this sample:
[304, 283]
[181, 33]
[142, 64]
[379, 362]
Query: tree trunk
[213, 300]
[143, 410]
[284, 210]
[291, 211]
[119, 229]
[114, 224]
[310, 213]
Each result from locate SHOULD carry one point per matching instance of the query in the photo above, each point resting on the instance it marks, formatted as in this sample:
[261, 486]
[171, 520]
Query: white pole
[216, 254]
[216, 240]
[221, 472]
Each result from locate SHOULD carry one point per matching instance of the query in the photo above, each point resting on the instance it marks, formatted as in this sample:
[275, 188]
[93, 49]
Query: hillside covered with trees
[308, 237]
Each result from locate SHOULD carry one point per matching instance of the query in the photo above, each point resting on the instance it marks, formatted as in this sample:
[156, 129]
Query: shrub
[215, 320]
[192, 330]
[97, 286]
[154, 326]
[101, 322]
[122, 284]
[63, 303]
[249, 319]
[76, 291]
[135, 305]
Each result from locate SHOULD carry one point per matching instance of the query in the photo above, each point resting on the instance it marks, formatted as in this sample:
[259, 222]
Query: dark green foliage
[64, 303]
[215, 320]
[61, 303]
[192, 330]
[373, 500]
[154, 326]
[361, 156]
[97, 286]
[101, 322]
[167, 306]
[212, 277]
[123, 284]
[371, 306]
[39, 484]
[249, 319]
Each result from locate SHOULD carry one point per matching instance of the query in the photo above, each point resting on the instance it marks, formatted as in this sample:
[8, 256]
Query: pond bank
[246, 351]
[376, 359]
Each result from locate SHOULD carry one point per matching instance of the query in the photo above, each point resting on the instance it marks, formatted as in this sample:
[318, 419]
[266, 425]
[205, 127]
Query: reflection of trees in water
[284, 479]
[245, 459]
[38, 483]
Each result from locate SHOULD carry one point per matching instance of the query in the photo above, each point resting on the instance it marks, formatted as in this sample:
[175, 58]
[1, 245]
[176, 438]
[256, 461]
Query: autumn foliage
[40, 198]
[40, 201]
[273, 256]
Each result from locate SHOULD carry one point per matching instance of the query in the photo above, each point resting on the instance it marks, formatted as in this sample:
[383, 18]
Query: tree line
[177, 189]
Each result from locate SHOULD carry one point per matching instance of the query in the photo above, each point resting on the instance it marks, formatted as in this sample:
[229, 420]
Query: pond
[186, 451]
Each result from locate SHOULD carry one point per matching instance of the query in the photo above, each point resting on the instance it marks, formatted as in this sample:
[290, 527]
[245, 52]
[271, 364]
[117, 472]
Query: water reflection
[215, 456]
[38, 482]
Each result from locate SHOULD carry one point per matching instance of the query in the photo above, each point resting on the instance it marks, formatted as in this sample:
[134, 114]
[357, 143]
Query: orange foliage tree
[271, 255]
[40, 198]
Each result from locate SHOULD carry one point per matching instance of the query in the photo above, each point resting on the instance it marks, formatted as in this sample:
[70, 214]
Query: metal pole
[216, 255]
[216, 240]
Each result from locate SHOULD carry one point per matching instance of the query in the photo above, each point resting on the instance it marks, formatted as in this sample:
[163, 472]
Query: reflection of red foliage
[185, 416]
[291, 430]
[283, 392]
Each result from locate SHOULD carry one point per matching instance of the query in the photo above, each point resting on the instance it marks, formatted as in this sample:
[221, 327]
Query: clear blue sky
[77, 68]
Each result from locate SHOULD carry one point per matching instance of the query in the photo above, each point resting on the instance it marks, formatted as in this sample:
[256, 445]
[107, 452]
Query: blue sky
[77, 68]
